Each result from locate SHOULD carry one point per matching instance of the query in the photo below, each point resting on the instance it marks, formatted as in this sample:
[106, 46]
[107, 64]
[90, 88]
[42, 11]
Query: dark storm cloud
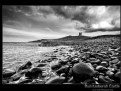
[102, 30]
[90, 14]
[46, 19]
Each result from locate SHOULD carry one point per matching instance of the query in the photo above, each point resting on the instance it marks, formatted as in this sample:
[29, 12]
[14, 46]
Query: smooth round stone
[56, 66]
[83, 68]
[111, 69]
[114, 61]
[104, 63]
[92, 59]
[41, 64]
[76, 60]
[95, 62]
[100, 68]
[7, 73]
[118, 74]
[85, 50]
[25, 66]
[56, 80]
[95, 65]
[109, 73]
[118, 64]
[102, 79]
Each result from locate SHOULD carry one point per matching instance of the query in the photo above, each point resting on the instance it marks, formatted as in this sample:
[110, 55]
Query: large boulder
[83, 69]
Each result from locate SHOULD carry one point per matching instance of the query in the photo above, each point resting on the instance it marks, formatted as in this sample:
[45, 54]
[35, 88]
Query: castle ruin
[80, 33]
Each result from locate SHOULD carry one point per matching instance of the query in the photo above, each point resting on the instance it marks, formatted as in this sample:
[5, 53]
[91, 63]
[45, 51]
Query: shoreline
[100, 58]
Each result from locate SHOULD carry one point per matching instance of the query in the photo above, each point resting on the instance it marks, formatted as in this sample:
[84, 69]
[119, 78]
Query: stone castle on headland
[80, 34]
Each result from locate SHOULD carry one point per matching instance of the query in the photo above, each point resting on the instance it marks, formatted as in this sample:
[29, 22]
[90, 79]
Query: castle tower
[80, 33]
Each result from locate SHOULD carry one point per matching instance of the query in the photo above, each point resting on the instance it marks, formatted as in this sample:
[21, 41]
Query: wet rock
[109, 73]
[111, 69]
[102, 79]
[118, 74]
[114, 61]
[8, 73]
[34, 72]
[67, 83]
[85, 50]
[16, 76]
[56, 80]
[95, 62]
[71, 80]
[92, 59]
[95, 65]
[83, 68]
[25, 66]
[63, 62]
[56, 51]
[118, 64]
[101, 68]
[63, 69]
[75, 60]
[41, 64]
[70, 50]
[104, 63]
[24, 81]
[56, 66]
[62, 75]
[108, 79]
[4, 81]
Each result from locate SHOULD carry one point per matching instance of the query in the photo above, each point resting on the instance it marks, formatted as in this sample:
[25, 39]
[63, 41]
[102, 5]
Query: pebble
[41, 64]
[118, 74]
[104, 63]
[109, 73]
[101, 68]
[114, 61]
[56, 80]
[63, 69]
[56, 66]
[63, 62]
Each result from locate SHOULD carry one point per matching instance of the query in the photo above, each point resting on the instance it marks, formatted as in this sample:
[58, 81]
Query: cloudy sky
[22, 23]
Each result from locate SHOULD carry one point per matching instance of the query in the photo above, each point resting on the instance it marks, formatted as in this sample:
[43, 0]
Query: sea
[15, 54]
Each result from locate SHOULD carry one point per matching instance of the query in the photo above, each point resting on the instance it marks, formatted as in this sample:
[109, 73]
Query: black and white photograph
[61, 44]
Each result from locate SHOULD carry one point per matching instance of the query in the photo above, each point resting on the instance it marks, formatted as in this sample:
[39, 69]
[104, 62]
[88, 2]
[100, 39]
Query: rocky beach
[93, 61]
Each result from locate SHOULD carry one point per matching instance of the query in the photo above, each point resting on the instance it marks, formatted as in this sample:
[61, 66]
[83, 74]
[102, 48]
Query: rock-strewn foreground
[92, 61]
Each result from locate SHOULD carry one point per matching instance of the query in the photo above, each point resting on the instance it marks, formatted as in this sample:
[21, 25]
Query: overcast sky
[22, 23]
